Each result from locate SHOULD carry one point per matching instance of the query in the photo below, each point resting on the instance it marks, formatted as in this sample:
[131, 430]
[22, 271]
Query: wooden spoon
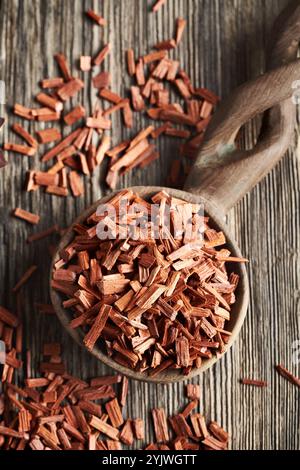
[223, 174]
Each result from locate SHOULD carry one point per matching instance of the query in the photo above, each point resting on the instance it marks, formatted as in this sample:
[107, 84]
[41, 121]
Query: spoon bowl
[238, 311]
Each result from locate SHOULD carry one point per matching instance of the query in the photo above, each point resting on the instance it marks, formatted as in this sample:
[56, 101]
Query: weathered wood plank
[223, 46]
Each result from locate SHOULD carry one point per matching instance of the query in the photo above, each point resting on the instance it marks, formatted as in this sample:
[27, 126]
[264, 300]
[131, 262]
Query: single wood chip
[96, 17]
[160, 425]
[27, 216]
[288, 375]
[255, 382]
[26, 276]
[63, 66]
[100, 322]
[114, 412]
[180, 24]
[70, 89]
[104, 428]
[22, 149]
[158, 5]
[18, 129]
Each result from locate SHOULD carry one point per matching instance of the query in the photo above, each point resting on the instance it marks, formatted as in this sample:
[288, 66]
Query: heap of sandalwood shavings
[155, 304]
[86, 142]
[56, 411]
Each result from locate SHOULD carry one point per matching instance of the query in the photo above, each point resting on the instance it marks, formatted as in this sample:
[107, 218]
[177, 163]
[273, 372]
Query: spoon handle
[223, 173]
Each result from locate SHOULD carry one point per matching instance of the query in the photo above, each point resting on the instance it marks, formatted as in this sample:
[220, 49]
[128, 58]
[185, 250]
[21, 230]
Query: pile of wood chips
[87, 140]
[156, 304]
[56, 411]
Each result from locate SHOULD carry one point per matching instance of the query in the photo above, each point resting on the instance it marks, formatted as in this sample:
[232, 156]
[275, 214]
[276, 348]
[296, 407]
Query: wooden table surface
[223, 46]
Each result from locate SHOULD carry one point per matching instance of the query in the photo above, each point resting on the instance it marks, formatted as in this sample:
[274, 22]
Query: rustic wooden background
[223, 46]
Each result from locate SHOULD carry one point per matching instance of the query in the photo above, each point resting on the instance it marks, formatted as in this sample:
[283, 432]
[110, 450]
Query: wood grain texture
[224, 172]
[223, 46]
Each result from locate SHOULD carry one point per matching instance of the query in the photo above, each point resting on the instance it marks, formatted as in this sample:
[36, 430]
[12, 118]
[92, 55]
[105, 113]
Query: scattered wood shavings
[154, 75]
